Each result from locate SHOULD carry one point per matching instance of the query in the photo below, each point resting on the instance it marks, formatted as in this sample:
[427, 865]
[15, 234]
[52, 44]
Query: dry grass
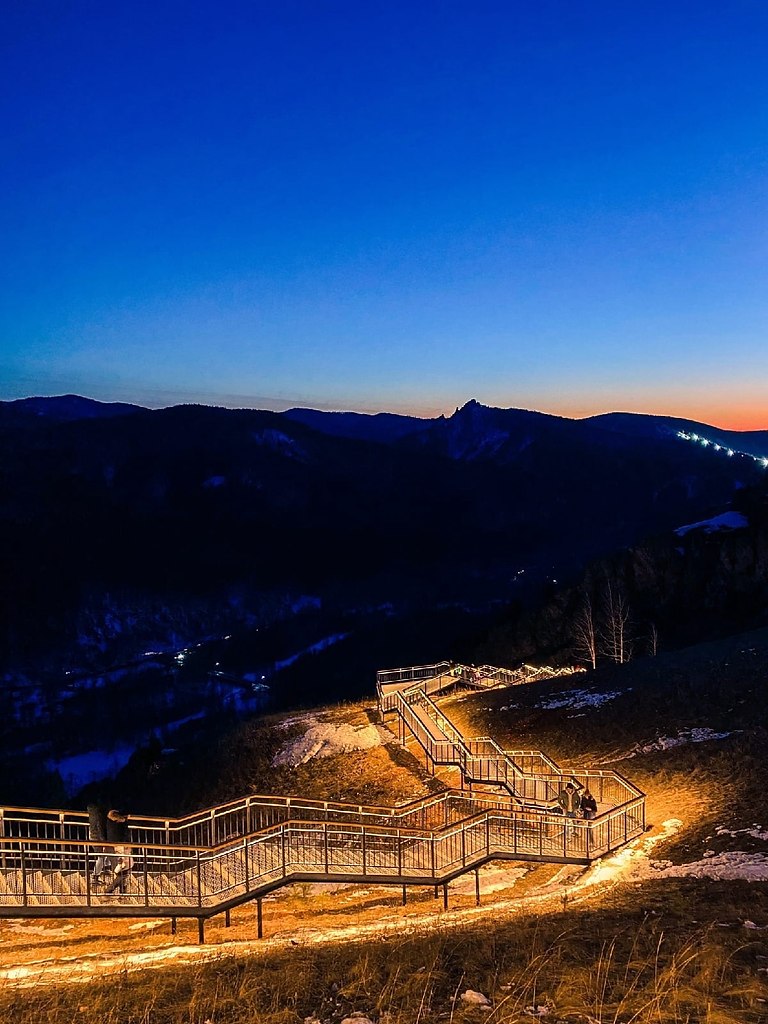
[651, 953]
[638, 960]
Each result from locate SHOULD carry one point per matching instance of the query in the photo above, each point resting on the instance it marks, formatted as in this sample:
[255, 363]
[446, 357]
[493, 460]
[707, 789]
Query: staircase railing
[529, 777]
[53, 876]
[215, 858]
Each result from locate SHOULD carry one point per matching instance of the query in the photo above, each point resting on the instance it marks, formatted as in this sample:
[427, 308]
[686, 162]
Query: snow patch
[325, 739]
[576, 699]
[685, 736]
[572, 699]
[78, 770]
[726, 521]
[316, 648]
[724, 867]
[756, 832]
[493, 877]
[27, 928]
[634, 864]
[277, 441]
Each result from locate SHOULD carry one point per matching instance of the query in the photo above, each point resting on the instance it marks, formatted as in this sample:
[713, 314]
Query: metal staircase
[208, 862]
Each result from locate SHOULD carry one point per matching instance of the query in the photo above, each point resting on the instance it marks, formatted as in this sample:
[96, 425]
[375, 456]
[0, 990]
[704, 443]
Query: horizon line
[235, 402]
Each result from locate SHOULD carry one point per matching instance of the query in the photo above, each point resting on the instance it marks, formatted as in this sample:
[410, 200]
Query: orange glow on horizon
[742, 417]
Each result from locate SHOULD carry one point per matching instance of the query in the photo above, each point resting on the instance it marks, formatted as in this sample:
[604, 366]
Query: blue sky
[388, 206]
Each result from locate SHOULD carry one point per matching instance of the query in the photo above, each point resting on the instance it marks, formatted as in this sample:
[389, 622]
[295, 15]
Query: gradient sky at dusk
[394, 205]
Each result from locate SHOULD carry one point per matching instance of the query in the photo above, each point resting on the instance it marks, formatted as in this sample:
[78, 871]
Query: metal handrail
[177, 879]
[241, 851]
[500, 765]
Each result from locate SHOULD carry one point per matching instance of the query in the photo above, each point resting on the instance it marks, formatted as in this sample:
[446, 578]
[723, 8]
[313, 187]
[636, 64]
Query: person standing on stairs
[97, 833]
[588, 805]
[569, 800]
[119, 835]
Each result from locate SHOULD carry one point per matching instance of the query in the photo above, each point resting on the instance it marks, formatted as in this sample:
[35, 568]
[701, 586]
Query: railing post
[364, 850]
[488, 834]
[399, 853]
[325, 844]
[199, 883]
[463, 846]
[282, 846]
[432, 853]
[146, 884]
[87, 879]
[23, 875]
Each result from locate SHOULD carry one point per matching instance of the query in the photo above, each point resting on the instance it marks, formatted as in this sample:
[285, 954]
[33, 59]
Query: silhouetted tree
[653, 640]
[585, 633]
[614, 630]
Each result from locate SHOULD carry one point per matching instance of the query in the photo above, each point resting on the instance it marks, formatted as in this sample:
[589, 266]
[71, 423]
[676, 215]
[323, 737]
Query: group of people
[572, 802]
[109, 829]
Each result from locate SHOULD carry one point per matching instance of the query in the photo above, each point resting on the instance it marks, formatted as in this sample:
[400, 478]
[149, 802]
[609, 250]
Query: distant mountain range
[214, 507]
[64, 408]
[473, 431]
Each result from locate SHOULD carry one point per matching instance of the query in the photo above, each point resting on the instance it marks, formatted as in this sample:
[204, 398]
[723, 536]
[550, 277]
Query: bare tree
[653, 639]
[585, 633]
[614, 630]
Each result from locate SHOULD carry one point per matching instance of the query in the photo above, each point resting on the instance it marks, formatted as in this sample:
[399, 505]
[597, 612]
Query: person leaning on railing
[97, 833]
[118, 835]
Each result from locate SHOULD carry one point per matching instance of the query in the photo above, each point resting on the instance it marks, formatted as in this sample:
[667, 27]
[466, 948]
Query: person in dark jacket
[588, 805]
[97, 833]
[119, 835]
[569, 800]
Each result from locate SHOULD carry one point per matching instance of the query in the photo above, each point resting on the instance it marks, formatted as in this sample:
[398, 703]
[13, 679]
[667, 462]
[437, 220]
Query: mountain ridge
[391, 427]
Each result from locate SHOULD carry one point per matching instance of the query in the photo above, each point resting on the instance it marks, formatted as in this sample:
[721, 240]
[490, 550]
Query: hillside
[705, 578]
[203, 509]
[671, 927]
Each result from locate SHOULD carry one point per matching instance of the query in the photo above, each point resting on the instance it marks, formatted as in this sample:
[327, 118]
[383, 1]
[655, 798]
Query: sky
[388, 206]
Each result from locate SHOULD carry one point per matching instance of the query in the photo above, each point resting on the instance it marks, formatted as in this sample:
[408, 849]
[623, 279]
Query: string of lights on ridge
[716, 446]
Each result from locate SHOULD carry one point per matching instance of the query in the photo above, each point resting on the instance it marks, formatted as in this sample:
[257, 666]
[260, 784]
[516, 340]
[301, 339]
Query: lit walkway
[211, 861]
